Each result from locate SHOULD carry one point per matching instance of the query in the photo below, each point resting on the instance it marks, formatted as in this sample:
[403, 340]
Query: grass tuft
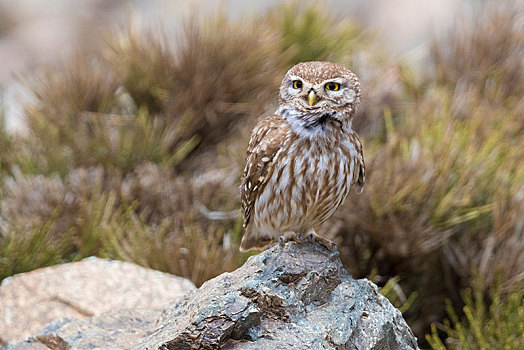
[497, 323]
[23, 250]
[309, 33]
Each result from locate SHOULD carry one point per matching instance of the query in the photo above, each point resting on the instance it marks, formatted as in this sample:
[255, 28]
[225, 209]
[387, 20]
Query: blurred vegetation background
[133, 151]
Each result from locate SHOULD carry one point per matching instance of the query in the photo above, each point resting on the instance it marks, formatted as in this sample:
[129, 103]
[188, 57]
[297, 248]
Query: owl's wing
[266, 140]
[359, 175]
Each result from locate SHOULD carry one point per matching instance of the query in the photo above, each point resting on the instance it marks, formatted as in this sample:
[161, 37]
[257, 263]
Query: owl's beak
[312, 98]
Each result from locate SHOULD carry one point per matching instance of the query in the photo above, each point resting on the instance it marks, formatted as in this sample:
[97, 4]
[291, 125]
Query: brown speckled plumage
[302, 161]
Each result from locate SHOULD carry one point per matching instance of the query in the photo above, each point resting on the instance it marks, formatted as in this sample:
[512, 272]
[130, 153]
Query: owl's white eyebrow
[294, 77]
[335, 80]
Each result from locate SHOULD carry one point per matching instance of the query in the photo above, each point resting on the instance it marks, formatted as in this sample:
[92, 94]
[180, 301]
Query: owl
[303, 160]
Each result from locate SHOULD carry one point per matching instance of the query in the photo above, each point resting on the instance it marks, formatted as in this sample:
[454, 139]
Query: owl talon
[314, 238]
[300, 237]
[290, 236]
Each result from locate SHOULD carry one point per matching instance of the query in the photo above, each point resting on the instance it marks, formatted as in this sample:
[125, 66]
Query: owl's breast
[325, 180]
[309, 182]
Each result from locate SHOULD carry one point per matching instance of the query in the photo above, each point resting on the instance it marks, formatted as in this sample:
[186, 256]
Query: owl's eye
[297, 84]
[333, 86]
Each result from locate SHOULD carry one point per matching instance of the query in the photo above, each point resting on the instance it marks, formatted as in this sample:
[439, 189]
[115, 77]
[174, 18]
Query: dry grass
[144, 66]
[150, 217]
[483, 64]
[6, 145]
[224, 74]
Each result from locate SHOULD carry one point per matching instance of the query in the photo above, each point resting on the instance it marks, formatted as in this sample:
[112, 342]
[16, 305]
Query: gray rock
[80, 290]
[293, 297]
[120, 329]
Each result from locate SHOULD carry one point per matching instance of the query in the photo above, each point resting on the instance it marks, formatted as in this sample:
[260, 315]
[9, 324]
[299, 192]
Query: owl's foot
[313, 237]
[290, 236]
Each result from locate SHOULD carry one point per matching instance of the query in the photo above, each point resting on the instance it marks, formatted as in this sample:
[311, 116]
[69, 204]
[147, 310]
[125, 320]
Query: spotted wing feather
[265, 142]
[359, 175]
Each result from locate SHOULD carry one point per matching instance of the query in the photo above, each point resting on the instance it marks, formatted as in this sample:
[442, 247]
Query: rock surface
[80, 290]
[292, 297]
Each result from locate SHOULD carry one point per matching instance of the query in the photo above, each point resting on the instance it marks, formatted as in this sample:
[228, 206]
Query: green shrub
[26, 249]
[497, 324]
[144, 66]
[6, 145]
[310, 33]
[192, 250]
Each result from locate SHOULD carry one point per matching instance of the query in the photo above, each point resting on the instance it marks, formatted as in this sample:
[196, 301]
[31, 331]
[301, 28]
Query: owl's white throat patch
[309, 126]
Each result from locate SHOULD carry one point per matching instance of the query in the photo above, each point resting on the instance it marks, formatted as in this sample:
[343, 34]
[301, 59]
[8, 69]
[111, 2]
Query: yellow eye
[297, 84]
[333, 86]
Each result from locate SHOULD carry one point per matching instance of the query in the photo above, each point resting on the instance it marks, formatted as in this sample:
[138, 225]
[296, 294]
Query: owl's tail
[253, 241]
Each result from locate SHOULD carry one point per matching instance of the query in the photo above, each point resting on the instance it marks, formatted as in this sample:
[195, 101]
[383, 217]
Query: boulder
[297, 296]
[80, 290]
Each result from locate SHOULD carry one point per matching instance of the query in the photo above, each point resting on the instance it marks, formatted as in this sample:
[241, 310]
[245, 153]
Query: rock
[80, 290]
[124, 327]
[293, 297]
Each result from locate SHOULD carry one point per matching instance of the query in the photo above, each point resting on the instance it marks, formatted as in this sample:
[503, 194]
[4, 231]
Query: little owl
[302, 160]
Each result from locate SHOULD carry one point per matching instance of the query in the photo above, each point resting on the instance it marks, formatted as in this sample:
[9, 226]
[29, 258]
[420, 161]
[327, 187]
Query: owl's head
[319, 91]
